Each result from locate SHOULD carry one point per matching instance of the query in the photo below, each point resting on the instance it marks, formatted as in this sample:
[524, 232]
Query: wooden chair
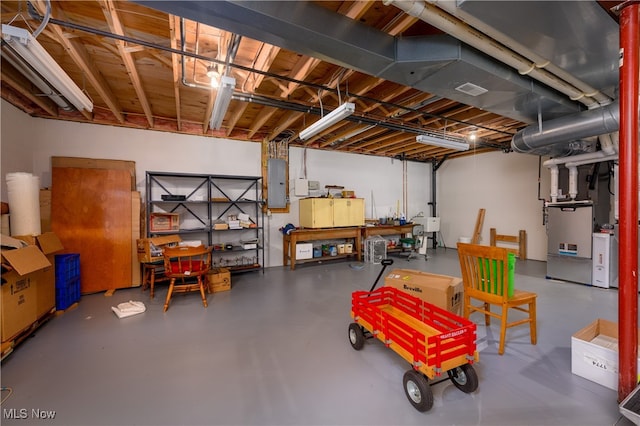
[486, 278]
[152, 273]
[184, 265]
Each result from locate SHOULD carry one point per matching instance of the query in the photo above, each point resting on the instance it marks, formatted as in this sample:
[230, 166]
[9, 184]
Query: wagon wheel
[356, 336]
[418, 391]
[464, 378]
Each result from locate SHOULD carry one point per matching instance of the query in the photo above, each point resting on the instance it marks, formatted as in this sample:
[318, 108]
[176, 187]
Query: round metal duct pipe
[532, 140]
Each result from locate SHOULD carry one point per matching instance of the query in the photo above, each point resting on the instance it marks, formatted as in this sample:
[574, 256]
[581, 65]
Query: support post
[434, 170]
[628, 196]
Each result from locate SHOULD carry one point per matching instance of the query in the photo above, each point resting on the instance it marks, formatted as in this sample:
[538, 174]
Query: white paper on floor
[127, 309]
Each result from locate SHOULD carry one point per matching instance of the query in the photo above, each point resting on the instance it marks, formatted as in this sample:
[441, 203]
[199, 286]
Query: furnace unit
[569, 233]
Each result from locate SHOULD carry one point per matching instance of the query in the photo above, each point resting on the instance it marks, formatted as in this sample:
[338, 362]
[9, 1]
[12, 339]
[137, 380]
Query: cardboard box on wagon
[441, 290]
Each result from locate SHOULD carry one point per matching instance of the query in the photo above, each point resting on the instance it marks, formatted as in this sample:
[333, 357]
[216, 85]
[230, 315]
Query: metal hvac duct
[553, 137]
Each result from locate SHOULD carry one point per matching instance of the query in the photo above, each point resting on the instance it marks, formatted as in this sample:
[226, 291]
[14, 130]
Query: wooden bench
[520, 240]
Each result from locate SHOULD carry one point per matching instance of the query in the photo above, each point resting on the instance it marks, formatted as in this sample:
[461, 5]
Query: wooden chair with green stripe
[488, 276]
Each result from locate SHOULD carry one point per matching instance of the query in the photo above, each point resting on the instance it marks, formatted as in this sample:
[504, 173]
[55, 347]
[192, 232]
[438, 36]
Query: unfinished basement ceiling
[144, 64]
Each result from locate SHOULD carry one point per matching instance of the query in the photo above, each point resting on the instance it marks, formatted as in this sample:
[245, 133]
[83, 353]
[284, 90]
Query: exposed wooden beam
[13, 79]
[399, 24]
[111, 16]
[174, 23]
[82, 59]
[265, 57]
[356, 9]
[300, 71]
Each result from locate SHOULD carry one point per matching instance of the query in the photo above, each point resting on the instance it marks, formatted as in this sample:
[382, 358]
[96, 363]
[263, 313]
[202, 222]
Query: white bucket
[24, 203]
[466, 240]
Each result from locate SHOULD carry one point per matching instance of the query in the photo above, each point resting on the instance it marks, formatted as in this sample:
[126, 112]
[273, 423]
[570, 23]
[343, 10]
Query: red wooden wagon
[431, 339]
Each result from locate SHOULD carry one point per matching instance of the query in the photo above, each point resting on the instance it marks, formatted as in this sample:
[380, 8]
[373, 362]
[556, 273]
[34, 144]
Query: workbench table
[290, 240]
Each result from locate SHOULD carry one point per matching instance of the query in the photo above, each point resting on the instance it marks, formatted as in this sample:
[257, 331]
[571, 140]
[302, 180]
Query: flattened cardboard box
[18, 296]
[441, 290]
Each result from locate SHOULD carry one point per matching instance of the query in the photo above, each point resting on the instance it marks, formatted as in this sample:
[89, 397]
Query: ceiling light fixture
[444, 143]
[355, 133]
[343, 111]
[43, 70]
[223, 97]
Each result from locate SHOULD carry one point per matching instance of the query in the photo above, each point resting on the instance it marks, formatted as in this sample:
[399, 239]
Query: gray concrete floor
[274, 351]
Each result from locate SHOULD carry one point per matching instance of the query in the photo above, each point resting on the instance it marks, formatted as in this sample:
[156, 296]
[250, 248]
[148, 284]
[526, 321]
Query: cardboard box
[150, 249]
[18, 303]
[49, 244]
[45, 210]
[219, 279]
[304, 251]
[594, 353]
[441, 290]
[159, 222]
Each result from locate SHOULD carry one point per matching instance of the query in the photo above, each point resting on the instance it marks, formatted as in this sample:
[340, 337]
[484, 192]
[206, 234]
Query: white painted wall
[506, 186]
[29, 143]
[372, 178]
[17, 138]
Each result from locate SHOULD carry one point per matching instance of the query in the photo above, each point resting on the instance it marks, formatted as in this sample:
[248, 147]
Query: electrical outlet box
[301, 187]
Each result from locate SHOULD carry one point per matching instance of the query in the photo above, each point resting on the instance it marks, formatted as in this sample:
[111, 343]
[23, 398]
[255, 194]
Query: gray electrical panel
[276, 183]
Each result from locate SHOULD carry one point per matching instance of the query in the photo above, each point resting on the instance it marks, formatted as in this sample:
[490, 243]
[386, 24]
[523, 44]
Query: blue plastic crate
[67, 280]
[68, 295]
[67, 268]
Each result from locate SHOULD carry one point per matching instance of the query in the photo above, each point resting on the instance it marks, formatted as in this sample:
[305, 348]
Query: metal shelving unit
[203, 200]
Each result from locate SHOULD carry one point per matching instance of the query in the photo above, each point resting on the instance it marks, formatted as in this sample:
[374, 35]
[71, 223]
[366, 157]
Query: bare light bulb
[214, 76]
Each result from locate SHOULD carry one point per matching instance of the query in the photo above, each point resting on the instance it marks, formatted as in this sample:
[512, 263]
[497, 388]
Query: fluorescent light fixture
[223, 97]
[444, 143]
[353, 134]
[43, 70]
[343, 111]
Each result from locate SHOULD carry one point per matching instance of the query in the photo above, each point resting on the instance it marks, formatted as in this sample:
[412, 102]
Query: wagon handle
[385, 263]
